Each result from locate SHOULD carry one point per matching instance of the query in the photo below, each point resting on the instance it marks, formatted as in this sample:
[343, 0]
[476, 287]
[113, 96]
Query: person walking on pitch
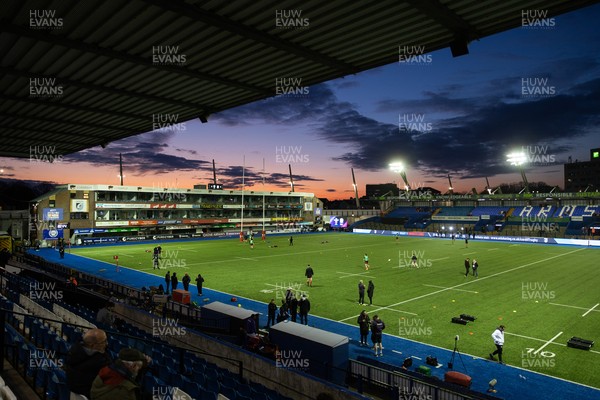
[498, 337]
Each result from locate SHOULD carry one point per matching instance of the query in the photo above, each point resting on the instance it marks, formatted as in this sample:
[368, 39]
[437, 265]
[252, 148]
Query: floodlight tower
[450, 188]
[214, 174]
[121, 176]
[291, 178]
[355, 189]
[519, 159]
[398, 167]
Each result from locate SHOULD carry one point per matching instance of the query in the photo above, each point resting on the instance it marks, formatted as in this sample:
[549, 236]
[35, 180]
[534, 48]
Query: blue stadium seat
[229, 381]
[166, 373]
[13, 342]
[211, 385]
[455, 211]
[194, 389]
[42, 376]
[180, 381]
[24, 351]
[51, 341]
[228, 391]
[59, 379]
[209, 395]
[211, 374]
[245, 390]
[150, 381]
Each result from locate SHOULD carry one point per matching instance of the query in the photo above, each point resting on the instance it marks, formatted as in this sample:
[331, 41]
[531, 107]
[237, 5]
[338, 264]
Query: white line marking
[288, 254]
[548, 342]
[126, 255]
[449, 351]
[511, 245]
[396, 351]
[400, 311]
[532, 338]
[542, 340]
[82, 251]
[443, 287]
[591, 309]
[565, 305]
[293, 287]
[349, 275]
[493, 249]
[418, 358]
[438, 347]
[249, 259]
[469, 282]
[438, 259]
[270, 284]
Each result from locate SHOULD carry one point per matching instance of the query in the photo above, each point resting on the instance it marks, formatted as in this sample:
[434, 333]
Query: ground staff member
[498, 337]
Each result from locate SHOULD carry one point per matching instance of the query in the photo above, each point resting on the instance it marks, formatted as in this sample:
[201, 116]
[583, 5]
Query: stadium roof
[78, 74]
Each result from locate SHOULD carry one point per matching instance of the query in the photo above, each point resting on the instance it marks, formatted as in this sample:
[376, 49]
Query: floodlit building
[583, 175]
[105, 213]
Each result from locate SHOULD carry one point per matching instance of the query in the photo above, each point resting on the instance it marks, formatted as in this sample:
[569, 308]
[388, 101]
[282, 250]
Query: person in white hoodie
[498, 337]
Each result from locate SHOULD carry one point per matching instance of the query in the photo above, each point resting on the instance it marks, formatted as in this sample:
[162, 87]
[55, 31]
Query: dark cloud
[6, 171]
[345, 84]
[430, 104]
[234, 176]
[473, 127]
[141, 161]
[144, 154]
[469, 135]
[283, 110]
[193, 152]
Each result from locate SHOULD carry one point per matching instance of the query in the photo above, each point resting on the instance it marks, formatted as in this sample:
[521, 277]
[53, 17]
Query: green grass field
[538, 292]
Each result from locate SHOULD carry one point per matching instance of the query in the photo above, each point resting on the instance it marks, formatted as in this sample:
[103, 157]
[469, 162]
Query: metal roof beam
[92, 110]
[43, 36]
[105, 89]
[256, 35]
[49, 132]
[446, 18]
[78, 124]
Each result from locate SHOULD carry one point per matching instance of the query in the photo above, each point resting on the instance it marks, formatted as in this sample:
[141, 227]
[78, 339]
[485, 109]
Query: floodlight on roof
[519, 159]
[516, 158]
[397, 166]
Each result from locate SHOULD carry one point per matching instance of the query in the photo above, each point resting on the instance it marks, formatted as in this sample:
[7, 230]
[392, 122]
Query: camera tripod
[454, 353]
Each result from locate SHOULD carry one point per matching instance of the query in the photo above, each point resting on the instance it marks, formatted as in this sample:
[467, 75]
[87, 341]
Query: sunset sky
[532, 87]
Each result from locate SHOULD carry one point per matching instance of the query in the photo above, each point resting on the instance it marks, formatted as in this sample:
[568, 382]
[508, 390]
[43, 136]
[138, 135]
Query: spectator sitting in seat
[105, 315]
[84, 361]
[119, 380]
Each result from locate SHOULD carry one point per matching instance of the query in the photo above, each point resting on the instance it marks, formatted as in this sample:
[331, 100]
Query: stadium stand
[530, 211]
[398, 219]
[225, 370]
[491, 211]
[24, 339]
[454, 211]
[519, 220]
